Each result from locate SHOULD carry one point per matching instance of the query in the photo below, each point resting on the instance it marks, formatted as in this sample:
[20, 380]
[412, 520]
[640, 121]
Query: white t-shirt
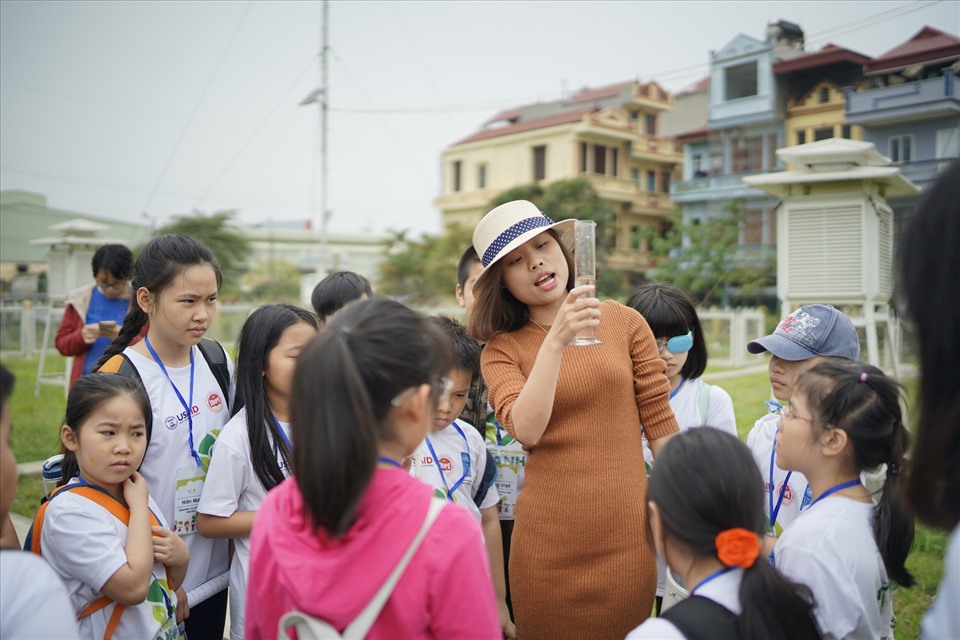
[29, 585]
[796, 494]
[462, 454]
[942, 620]
[724, 590]
[168, 465]
[85, 545]
[831, 549]
[686, 407]
[232, 485]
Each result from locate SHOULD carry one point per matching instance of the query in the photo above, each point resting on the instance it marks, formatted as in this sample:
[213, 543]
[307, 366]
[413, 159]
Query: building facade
[610, 135]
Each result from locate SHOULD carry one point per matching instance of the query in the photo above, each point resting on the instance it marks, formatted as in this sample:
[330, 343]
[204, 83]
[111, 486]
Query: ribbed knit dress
[582, 563]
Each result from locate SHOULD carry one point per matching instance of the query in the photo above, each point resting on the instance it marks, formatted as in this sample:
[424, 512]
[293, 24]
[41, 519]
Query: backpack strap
[117, 510]
[121, 364]
[216, 358]
[700, 618]
[489, 477]
[703, 402]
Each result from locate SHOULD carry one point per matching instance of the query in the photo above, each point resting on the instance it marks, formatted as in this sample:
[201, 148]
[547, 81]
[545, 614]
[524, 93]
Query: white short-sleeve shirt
[232, 485]
[461, 453]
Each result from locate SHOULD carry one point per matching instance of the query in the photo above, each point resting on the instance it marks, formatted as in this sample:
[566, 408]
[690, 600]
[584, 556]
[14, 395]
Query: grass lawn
[36, 425]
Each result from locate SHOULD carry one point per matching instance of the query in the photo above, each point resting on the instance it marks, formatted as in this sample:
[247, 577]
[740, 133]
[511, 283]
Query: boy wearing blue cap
[806, 337]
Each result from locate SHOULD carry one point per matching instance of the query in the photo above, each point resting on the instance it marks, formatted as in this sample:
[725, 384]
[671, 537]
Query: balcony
[714, 187]
[928, 98]
[655, 148]
[923, 172]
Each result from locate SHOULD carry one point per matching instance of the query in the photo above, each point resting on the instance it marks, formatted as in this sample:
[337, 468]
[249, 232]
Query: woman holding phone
[95, 312]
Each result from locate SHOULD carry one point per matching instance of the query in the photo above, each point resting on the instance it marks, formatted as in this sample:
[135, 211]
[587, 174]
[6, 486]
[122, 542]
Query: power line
[199, 103]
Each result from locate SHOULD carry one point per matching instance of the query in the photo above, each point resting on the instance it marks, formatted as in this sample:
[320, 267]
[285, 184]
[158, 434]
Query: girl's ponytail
[893, 526]
[774, 607]
[133, 323]
[347, 382]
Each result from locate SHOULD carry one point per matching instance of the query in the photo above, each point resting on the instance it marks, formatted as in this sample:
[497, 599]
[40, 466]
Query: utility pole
[324, 101]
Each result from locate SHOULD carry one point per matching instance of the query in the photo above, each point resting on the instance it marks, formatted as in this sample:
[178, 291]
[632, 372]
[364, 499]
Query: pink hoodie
[445, 591]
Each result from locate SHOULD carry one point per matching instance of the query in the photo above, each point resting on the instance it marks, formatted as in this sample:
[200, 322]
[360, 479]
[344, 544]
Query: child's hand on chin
[135, 490]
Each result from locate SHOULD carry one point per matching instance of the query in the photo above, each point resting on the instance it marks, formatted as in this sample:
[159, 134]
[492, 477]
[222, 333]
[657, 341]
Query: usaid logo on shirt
[172, 422]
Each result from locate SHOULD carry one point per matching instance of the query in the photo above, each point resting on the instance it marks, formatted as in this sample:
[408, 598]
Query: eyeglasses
[787, 414]
[116, 285]
[441, 388]
[676, 344]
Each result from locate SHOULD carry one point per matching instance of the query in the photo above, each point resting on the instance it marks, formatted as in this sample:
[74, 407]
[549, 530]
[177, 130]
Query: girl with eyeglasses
[845, 418]
[672, 317]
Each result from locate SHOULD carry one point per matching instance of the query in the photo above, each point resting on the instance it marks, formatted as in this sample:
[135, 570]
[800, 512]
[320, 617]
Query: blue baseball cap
[813, 330]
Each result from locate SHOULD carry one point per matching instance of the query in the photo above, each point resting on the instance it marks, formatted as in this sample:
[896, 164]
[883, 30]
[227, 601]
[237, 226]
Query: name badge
[187, 499]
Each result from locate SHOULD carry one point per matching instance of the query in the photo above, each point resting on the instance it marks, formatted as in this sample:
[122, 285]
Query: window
[599, 159]
[823, 134]
[845, 132]
[753, 226]
[748, 154]
[481, 176]
[540, 162]
[900, 148]
[651, 180]
[635, 176]
[948, 143]
[801, 137]
[614, 160]
[665, 179]
[824, 95]
[651, 122]
[740, 81]
[583, 157]
[456, 175]
[634, 237]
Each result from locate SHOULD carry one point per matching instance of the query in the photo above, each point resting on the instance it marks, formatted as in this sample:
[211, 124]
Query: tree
[706, 259]
[276, 281]
[214, 230]
[424, 270]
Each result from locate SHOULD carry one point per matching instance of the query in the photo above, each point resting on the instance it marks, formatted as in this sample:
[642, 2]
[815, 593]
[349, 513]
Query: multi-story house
[744, 129]
[909, 105]
[815, 84]
[608, 135]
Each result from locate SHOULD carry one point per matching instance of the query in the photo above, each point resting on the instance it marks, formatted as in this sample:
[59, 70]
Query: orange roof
[586, 95]
[927, 45]
[527, 125]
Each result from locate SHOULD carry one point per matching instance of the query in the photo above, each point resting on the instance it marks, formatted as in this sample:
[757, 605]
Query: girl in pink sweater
[324, 541]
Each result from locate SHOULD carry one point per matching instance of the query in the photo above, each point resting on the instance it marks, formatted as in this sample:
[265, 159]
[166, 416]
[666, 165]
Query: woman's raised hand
[579, 312]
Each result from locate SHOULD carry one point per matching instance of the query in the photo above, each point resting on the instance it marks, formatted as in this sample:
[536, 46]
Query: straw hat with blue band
[508, 226]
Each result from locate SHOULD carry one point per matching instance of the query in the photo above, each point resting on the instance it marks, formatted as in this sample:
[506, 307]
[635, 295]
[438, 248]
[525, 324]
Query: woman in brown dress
[582, 563]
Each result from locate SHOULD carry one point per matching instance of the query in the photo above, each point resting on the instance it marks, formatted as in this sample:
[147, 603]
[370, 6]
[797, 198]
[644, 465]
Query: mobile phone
[107, 325]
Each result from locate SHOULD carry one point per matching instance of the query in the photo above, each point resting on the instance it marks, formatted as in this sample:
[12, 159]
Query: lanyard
[283, 436]
[716, 574]
[496, 423]
[783, 488]
[436, 461]
[390, 461]
[683, 381]
[188, 407]
[835, 488]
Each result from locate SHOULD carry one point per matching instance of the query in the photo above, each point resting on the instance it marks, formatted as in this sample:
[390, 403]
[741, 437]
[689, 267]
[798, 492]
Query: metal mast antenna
[324, 100]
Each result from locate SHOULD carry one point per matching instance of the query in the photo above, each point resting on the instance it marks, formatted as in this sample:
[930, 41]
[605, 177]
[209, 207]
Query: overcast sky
[157, 108]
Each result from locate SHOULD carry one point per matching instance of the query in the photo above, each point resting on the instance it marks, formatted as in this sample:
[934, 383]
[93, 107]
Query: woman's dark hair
[115, 258]
[344, 384]
[928, 261]
[88, 393]
[6, 385]
[336, 290]
[159, 262]
[670, 311]
[495, 309]
[695, 507]
[865, 403]
[259, 335]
